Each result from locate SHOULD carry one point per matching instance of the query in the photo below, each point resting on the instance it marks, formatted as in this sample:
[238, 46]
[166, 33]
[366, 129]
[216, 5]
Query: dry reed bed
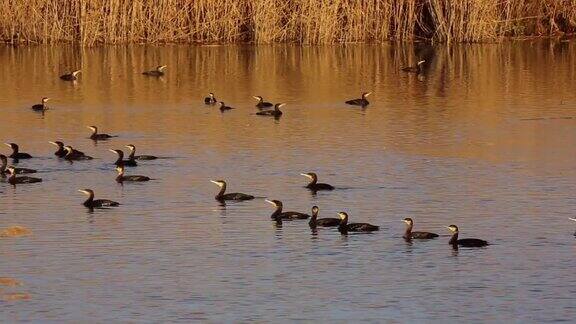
[267, 21]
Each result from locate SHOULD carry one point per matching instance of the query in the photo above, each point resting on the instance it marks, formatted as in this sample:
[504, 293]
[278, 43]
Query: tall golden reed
[267, 21]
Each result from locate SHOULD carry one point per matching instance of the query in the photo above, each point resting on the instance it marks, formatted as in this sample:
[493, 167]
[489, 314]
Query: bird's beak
[111, 150]
[282, 105]
[82, 191]
[255, 97]
[215, 182]
[53, 143]
[306, 175]
[367, 94]
[574, 219]
[7, 144]
[270, 201]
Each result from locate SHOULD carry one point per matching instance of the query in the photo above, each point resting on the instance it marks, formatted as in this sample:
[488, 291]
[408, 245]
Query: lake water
[484, 139]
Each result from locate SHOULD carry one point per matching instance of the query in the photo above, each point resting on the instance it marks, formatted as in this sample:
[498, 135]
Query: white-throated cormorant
[136, 178]
[467, 242]
[210, 100]
[61, 152]
[12, 179]
[97, 136]
[133, 156]
[16, 154]
[408, 234]
[120, 160]
[221, 196]
[345, 227]
[324, 222]
[223, 106]
[91, 203]
[314, 185]
[72, 76]
[73, 155]
[276, 112]
[261, 103]
[158, 72]
[279, 214]
[360, 102]
[414, 69]
[4, 165]
[41, 106]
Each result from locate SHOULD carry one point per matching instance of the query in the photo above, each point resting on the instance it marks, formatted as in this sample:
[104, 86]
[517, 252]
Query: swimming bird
[41, 106]
[414, 69]
[276, 112]
[73, 155]
[221, 196]
[61, 152]
[223, 107]
[4, 165]
[210, 100]
[408, 234]
[12, 179]
[158, 72]
[91, 203]
[261, 103]
[132, 155]
[72, 76]
[135, 178]
[96, 136]
[16, 154]
[360, 102]
[290, 215]
[325, 222]
[344, 227]
[120, 160]
[314, 185]
[467, 242]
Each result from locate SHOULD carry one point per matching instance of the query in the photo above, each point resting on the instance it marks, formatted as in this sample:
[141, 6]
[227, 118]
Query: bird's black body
[73, 155]
[222, 196]
[132, 178]
[314, 185]
[262, 104]
[278, 214]
[120, 160]
[133, 156]
[98, 136]
[4, 170]
[210, 100]
[346, 227]
[96, 203]
[72, 76]
[322, 222]
[13, 180]
[223, 107]
[414, 69]
[467, 242]
[276, 112]
[61, 152]
[16, 154]
[361, 101]
[409, 234]
[158, 72]
[41, 106]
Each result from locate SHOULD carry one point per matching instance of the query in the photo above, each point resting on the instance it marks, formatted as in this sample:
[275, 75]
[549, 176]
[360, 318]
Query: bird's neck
[221, 192]
[132, 154]
[89, 200]
[277, 212]
[120, 158]
[313, 181]
[408, 231]
[454, 239]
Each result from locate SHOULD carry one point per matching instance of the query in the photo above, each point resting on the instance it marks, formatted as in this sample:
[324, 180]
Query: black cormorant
[73, 76]
[96, 136]
[221, 196]
[261, 103]
[314, 185]
[408, 234]
[467, 242]
[414, 69]
[73, 155]
[156, 73]
[223, 106]
[210, 100]
[121, 177]
[344, 227]
[120, 160]
[16, 154]
[41, 106]
[325, 222]
[12, 179]
[91, 203]
[61, 152]
[290, 215]
[4, 165]
[133, 155]
[360, 102]
[276, 112]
